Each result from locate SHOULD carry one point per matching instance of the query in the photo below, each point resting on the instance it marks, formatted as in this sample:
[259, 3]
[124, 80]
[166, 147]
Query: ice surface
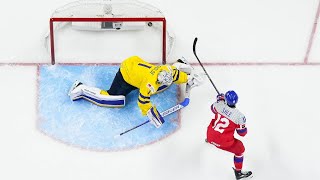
[88, 126]
[280, 102]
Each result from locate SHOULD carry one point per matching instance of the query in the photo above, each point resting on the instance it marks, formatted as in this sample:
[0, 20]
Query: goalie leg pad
[155, 117]
[97, 96]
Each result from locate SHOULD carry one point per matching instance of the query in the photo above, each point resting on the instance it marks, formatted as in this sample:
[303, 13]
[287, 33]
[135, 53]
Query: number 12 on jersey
[221, 123]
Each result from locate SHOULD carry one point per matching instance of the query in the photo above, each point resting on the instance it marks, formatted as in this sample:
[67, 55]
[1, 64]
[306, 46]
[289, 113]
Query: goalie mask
[165, 77]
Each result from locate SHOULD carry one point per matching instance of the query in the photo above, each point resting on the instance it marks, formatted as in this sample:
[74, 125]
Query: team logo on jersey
[149, 86]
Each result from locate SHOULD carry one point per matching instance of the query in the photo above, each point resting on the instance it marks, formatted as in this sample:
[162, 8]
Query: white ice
[279, 101]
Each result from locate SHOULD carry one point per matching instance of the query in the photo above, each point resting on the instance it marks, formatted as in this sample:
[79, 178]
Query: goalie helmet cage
[106, 15]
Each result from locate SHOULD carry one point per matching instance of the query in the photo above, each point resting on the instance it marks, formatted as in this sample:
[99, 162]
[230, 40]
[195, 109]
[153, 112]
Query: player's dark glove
[220, 97]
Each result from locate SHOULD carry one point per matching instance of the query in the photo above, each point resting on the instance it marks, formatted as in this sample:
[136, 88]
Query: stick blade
[195, 43]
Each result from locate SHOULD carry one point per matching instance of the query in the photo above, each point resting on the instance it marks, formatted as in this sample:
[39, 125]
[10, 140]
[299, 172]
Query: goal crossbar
[124, 19]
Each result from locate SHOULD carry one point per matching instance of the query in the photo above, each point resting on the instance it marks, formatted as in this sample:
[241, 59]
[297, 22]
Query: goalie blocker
[155, 117]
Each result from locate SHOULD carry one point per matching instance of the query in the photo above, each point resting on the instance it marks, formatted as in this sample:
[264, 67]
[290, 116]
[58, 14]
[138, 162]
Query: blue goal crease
[83, 124]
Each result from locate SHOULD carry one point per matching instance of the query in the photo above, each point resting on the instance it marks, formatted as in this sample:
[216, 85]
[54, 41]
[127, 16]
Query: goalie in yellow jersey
[135, 73]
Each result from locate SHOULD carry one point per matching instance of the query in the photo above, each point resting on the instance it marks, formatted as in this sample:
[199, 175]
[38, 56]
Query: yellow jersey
[144, 76]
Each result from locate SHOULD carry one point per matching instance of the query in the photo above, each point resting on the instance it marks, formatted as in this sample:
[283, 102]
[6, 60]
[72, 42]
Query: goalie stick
[195, 54]
[171, 110]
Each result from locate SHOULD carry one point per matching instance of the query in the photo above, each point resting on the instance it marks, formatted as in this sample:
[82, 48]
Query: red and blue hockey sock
[238, 161]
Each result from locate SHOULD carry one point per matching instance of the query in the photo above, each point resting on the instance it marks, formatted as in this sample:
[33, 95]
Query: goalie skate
[242, 175]
[73, 92]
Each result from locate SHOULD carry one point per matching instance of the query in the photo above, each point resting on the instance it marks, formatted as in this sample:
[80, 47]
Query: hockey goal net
[109, 26]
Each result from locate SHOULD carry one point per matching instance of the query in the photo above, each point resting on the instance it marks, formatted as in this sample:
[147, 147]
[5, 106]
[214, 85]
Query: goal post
[103, 20]
[110, 15]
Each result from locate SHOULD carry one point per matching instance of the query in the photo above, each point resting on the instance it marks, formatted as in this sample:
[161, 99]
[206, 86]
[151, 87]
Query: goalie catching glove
[195, 79]
[155, 117]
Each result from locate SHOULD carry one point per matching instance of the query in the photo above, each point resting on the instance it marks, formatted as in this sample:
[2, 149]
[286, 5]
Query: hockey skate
[75, 91]
[242, 174]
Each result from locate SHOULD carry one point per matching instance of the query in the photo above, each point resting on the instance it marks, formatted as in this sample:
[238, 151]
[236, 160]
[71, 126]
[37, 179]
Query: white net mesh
[116, 8]
[111, 9]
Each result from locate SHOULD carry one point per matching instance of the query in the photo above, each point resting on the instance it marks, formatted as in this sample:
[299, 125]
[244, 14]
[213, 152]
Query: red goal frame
[136, 19]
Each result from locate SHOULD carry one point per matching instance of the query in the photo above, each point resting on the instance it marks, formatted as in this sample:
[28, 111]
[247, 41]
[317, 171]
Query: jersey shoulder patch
[151, 88]
[242, 120]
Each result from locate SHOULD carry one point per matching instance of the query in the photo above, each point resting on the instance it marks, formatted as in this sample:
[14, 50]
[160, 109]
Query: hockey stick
[171, 110]
[195, 53]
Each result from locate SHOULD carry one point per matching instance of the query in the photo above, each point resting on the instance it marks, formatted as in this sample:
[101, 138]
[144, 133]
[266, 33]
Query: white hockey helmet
[165, 77]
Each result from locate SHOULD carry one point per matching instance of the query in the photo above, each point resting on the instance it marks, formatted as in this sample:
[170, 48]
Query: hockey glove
[242, 130]
[155, 117]
[220, 97]
[195, 79]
